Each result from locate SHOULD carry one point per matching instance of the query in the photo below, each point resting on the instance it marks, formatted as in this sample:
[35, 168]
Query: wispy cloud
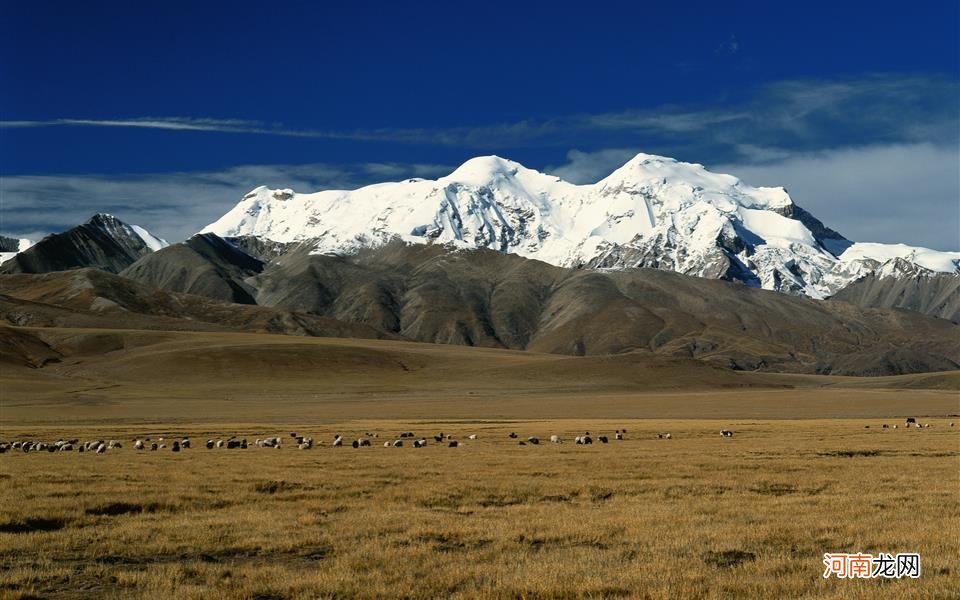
[809, 114]
[172, 205]
[189, 124]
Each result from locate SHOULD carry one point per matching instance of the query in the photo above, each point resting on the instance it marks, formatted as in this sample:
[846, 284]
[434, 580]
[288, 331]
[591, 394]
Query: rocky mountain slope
[428, 293]
[91, 298]
[205, 265]
[905, 285]
[104, 242]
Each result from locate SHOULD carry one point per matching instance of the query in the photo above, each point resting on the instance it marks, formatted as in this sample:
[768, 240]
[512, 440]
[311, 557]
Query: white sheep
[555, 439]
[472, 436]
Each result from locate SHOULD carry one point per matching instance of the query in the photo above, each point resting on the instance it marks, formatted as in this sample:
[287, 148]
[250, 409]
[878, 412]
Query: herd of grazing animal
[95, 446]
[302, 442]
[908, 423]
[299, 441]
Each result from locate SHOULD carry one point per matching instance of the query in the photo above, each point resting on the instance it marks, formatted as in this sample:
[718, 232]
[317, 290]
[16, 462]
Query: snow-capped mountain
[104, 242]
[652, 212]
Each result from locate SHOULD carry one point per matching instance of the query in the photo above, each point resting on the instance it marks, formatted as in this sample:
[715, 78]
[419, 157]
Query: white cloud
[171, 205]
[907, 193]
[590, 167]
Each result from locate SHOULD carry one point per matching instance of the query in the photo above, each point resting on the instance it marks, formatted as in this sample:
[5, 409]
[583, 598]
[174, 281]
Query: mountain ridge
[652, 212]
[104, 242]
[480, 297]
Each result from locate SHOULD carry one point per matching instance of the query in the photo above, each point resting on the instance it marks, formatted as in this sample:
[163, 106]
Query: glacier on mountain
[652, 212]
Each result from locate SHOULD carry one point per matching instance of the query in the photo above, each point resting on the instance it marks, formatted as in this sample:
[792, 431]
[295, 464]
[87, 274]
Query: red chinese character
[861, 565]
[836, 565]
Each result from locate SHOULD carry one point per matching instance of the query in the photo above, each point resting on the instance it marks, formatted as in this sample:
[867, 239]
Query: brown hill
[488, 299]
[485, 298]
[204, 265]
[116, 375]
[96, 299]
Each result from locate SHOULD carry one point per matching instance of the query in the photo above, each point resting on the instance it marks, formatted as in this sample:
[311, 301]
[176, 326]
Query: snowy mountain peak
[654, 211]
[484, 169]
[120, 230]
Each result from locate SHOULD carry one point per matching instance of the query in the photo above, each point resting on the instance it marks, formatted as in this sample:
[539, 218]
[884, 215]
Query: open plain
[696, 515]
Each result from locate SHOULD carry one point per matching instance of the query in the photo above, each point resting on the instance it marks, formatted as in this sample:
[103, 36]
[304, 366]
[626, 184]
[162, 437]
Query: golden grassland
[695, 516]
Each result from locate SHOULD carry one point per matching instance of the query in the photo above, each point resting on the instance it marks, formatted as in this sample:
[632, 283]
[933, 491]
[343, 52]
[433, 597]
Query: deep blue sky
[346, 84]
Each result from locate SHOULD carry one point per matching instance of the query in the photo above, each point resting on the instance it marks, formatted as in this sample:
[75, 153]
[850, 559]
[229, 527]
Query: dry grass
[695, 516]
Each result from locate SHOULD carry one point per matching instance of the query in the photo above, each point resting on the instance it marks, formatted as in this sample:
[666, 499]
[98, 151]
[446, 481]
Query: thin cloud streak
[794, 114]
